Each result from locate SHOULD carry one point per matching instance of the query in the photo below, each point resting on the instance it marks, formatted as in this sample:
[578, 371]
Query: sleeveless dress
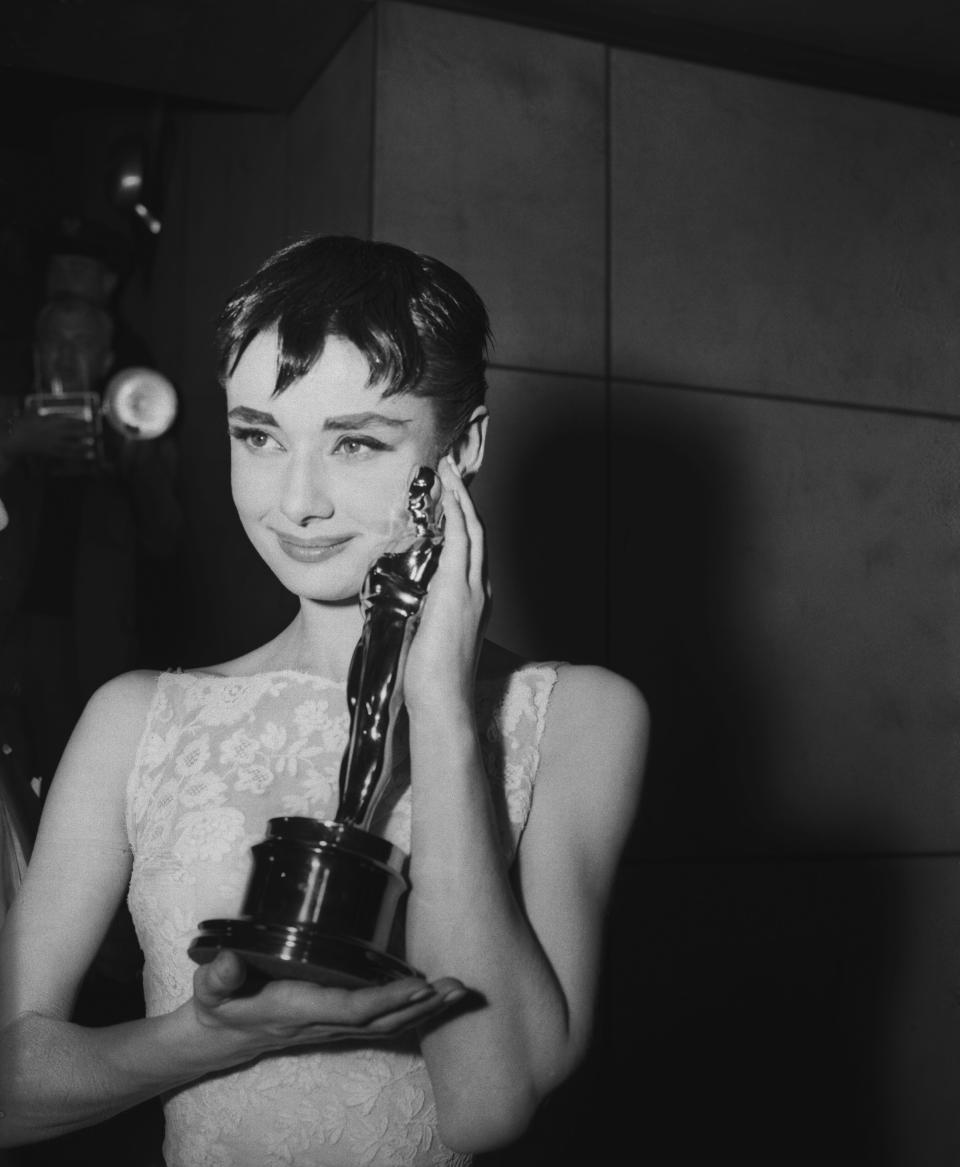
[219, 757]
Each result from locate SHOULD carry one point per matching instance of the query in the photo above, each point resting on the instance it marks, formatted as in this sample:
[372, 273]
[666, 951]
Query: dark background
[719, 247]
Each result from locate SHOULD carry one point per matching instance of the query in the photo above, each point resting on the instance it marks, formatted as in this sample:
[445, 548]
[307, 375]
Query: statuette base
[283, 952]
[323, 903]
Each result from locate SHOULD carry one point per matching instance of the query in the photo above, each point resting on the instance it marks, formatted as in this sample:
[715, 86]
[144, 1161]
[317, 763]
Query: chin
[321, 584]
[350, 600]
[331, 590]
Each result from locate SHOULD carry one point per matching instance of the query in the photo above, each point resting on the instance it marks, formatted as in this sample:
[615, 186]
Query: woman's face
[320, 471]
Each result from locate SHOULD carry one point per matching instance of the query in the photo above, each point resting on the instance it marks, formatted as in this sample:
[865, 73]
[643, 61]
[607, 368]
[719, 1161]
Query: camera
[139, 403]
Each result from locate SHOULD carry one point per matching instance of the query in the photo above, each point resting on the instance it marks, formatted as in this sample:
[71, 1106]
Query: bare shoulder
[597, 710]
[587, 793]
[129, 694]
[82, 855]
[594, 746]
[595, 687]
[593, 714]
[121, 705]
[103, 746]
[88, 794]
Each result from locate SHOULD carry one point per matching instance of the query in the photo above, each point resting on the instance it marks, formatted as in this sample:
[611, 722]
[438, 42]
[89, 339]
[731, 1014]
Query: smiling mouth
[311, 551]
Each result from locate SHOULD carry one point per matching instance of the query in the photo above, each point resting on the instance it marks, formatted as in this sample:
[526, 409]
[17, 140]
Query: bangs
[365, 301]
[420, 326]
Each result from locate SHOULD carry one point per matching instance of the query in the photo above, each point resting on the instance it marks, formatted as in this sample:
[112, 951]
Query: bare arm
[57, 1076]
[528, 946]
[527, 942]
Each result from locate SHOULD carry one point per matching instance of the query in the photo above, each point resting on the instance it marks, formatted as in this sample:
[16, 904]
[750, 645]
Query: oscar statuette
[324, 898]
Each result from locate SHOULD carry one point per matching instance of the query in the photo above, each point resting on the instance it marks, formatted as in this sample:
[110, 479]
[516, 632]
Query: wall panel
[490, 155]
[329, 139]
[782, 239]
[784, 579]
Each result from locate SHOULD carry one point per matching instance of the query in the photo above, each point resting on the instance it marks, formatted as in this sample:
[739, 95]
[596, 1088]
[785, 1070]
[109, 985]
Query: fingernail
[422, 994]
[454, 996]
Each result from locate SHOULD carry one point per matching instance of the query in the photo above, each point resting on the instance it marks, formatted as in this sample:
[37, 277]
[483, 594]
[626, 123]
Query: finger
[448, 987]
[473, 527]
[366, 1005]
[404, 1019]
[446, 993]
[455, 559]
[218, 980]
[477, 539]
[302, 1003]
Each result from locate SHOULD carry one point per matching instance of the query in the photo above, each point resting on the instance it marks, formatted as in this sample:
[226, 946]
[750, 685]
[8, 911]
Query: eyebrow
[244, 413]
[348, 421]
[359, 421]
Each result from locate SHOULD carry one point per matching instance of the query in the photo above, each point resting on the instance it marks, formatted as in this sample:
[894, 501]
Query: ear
[467, 451]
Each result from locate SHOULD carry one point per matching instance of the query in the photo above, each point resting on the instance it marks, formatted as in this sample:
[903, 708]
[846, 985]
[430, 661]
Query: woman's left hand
[442, 659]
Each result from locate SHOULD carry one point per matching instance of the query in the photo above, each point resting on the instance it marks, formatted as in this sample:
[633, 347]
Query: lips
[311, 550]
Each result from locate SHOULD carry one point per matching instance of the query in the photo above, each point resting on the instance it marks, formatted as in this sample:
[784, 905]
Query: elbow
[477, 1122]
[11, 1139]
[16, 1127]
[21, 1123]
[17, 1130]
[482, 1127]
[495, 1111]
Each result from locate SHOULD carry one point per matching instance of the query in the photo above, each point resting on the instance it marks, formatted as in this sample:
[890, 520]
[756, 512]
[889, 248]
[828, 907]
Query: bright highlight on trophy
[324, 900]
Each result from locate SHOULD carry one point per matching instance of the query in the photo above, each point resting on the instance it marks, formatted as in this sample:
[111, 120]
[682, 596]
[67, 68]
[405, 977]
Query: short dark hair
[421, 326]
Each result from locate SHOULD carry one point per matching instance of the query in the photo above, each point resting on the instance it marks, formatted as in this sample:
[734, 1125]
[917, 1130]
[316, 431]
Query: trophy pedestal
[322, 905]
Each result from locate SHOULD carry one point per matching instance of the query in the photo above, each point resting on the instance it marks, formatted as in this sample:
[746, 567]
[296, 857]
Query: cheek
[250, 491]
[380, 501]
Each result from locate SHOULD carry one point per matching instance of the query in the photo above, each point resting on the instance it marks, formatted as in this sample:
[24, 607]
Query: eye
[253, 439]
[358, 445]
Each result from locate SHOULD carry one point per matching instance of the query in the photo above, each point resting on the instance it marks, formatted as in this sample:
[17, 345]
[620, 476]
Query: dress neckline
[321, 678]
[207, 675]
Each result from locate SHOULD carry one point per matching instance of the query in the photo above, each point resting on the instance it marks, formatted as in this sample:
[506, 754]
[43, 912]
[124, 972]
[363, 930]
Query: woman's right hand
[289, 1013]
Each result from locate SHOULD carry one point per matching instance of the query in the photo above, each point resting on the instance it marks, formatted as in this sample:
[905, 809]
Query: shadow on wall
[746, 992]
[741, 1012]
[673, 590]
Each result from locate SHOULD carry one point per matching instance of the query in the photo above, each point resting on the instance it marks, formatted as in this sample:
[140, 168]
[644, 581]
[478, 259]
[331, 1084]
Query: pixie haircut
[422, 328]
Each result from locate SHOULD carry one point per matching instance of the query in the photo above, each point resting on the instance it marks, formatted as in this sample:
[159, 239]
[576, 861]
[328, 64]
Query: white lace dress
[219, 757]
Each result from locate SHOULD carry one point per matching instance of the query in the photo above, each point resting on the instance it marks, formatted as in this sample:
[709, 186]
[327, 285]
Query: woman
[346, 364]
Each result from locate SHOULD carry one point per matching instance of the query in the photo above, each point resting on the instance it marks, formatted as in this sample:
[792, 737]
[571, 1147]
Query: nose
[306, 493]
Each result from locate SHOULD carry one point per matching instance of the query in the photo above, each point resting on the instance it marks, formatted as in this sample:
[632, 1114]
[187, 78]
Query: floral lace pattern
[218, 758]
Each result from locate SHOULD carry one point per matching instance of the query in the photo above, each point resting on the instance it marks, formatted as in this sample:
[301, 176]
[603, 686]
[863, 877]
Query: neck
[321, 640]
